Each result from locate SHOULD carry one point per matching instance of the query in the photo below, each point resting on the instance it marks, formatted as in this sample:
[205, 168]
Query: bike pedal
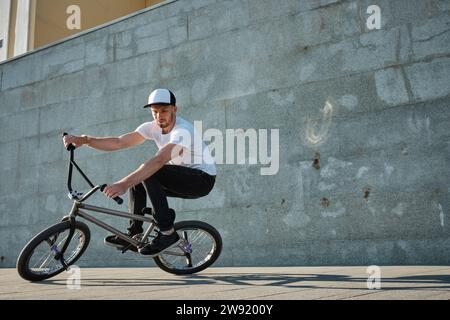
[128, 247]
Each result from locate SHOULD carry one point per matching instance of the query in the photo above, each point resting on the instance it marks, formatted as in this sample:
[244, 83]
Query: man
[178, 169]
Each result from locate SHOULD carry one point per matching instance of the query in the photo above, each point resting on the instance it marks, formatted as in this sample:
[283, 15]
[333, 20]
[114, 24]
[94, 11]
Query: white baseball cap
[161, 96]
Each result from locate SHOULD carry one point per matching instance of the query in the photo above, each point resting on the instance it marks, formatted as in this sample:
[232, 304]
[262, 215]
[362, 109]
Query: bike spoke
[50, 254]
[202, 246]
[45, 257]
[46, 262]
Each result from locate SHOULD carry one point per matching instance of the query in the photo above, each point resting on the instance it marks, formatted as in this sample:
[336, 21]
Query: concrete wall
[363, 115]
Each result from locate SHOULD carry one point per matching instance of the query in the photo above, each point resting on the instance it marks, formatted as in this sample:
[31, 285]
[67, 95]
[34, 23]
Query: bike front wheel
[37, 260]
[199, 248]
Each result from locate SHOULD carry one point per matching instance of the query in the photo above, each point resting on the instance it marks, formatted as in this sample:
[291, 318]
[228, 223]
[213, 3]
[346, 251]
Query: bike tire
[23, 261]
[212, 256]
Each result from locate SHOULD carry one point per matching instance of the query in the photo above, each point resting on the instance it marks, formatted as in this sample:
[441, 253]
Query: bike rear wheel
[199, 248]
[37, 260]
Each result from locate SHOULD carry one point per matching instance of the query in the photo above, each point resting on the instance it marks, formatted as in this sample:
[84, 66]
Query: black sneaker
[159, 244]
[117, 242]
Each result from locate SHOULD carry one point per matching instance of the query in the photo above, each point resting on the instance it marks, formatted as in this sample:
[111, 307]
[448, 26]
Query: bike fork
[187, 248]
[60, 255]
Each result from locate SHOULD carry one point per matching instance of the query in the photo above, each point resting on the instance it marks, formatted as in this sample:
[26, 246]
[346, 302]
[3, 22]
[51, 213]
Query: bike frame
[77, 212]
[78, 204]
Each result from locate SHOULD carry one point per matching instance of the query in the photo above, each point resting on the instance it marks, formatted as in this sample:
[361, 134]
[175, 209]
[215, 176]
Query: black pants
[169, 181]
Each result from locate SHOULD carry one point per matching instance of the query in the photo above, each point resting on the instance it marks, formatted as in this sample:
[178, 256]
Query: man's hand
[75, 140]
[115, 190]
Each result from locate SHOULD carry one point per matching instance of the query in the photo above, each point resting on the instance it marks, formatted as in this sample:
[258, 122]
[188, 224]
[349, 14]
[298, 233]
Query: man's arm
[106, 144]
[145, 170]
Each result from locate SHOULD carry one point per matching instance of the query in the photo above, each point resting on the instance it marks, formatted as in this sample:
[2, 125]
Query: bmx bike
[54, 249]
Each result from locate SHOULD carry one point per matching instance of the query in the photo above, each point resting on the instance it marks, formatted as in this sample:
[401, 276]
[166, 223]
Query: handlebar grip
[70, 147]
[118, 200]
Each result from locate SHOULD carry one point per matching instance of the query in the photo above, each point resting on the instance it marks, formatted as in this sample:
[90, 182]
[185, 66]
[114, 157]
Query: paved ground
[397, 282]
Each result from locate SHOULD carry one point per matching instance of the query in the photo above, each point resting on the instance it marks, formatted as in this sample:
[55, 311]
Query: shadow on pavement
[300, 281]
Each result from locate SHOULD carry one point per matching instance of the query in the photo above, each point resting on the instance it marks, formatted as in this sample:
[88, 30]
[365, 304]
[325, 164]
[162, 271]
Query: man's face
[164, 115]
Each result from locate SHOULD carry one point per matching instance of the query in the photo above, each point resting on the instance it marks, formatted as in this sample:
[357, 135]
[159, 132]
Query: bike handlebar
[119, 200]
[71, 148]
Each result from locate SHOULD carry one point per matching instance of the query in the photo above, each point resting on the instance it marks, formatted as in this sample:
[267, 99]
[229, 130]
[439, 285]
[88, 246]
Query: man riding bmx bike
[177, 170]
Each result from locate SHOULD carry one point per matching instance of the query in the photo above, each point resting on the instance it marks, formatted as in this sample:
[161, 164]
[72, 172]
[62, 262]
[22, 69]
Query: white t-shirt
[181, 134]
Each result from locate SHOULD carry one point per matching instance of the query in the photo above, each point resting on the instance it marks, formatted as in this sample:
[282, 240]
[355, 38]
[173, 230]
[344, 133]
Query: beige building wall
[51, 16]
[12, 28]
[47, 20]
